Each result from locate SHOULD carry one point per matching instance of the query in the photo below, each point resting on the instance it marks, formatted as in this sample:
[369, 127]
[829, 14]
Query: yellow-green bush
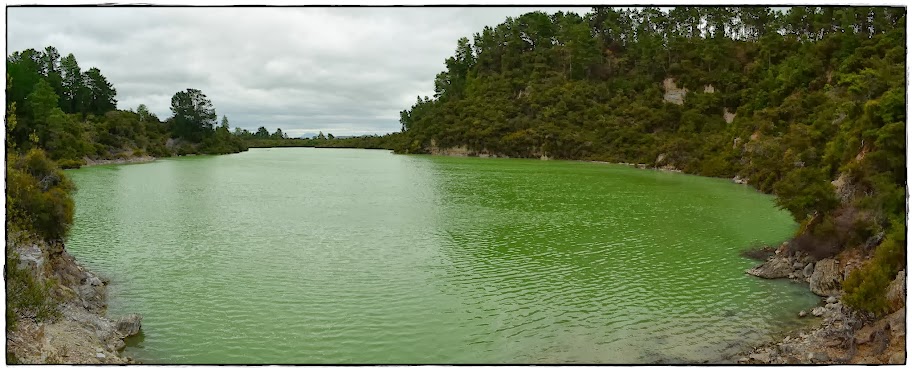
[866, 288]
[25, 296]
[38, 197]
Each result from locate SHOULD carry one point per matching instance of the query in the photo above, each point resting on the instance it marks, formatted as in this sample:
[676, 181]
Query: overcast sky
[348, 71]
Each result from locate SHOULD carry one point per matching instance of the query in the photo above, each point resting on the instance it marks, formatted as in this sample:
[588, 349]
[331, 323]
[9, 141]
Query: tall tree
[99, 93]
[194, 116]
[73, 85]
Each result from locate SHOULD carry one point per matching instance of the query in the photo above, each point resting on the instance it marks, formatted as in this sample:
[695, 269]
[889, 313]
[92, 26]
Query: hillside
[808, 105]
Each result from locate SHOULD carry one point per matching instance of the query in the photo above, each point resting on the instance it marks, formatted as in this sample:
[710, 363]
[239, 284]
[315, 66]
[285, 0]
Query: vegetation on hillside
[72, 115]
[808, 104]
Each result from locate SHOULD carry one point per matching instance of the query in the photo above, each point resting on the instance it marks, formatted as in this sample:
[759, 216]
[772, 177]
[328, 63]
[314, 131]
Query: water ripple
[278, 256]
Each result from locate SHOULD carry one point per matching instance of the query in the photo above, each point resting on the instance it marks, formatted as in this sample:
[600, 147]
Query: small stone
[99, 355]
[797, 265]
[818, 311]
[832, 299]
[743, 360]
[762, 357]
[818, 357]
[803, 313]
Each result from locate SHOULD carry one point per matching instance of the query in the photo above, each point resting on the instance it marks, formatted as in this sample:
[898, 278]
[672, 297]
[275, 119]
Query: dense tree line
[263, 139]
[72, 115]
[807, 104]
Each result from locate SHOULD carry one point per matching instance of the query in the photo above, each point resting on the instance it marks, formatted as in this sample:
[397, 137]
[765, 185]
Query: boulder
[129, 325]
[897, 323]
[774, 268]
[808, 270]
[826, 279]
[896, 291]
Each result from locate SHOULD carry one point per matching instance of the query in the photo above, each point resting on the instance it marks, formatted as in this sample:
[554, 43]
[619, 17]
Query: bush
[866, 288]
[25, 296]
[38, 197]
[71, 163]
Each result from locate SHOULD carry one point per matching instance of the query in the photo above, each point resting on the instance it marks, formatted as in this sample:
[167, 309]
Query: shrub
[26, 297]
[38, 197]
[71, 163]
[866, 288]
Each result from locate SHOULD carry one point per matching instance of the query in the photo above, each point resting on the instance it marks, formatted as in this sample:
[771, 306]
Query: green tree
[194, 116]
[99, 93]
[73, 85]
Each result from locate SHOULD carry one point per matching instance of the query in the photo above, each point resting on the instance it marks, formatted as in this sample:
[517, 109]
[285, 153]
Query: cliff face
[80, 333]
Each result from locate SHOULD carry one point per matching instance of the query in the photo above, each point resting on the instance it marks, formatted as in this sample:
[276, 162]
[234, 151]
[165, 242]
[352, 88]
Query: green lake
[300, 255]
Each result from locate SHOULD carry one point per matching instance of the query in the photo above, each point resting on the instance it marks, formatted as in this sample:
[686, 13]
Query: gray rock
[803, 313]
[835, 307]
[99, 355]
[832, 299]
[818, 311]
[826, 279]
[761, 357]
[797, 265]
[808, 270]
[874, 240]
[818, 357]
[896, 291]
[94, 281]
[897, 322]
[129, 325]
[774, 268]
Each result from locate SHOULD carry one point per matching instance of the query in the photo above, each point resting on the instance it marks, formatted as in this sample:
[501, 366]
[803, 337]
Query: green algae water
[298, 255]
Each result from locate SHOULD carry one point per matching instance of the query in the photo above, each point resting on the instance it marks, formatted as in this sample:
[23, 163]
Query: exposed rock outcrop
[673, 94]
[776, 267]
[826, 279]
[729, 117]
[81, 334]
[128, 160]
[896, 292]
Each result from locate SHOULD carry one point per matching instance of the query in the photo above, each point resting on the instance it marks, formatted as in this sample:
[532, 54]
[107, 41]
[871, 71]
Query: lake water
[300, 255]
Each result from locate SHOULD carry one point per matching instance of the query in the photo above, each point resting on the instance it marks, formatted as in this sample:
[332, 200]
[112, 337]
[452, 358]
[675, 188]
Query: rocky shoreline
[844, 336]
[129, 160]
[81, 333]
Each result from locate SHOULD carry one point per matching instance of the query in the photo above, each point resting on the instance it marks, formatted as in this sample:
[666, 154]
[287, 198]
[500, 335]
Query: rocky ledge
[98, 162]
[81, 334]
[843, 336]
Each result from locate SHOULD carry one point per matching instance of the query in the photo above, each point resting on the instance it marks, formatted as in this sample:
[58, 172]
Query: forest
[807, 104]
[71, 114]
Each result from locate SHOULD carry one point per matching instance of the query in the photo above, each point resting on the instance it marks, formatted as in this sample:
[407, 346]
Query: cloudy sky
[348, 71]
